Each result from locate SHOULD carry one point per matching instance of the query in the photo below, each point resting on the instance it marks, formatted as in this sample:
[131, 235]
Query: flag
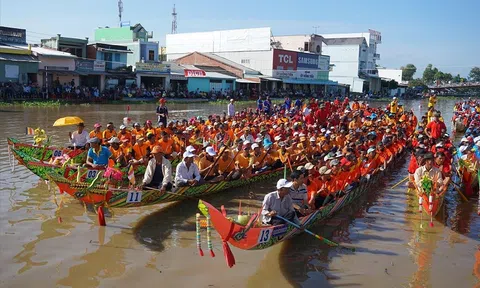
[29, 131]
[131, 175]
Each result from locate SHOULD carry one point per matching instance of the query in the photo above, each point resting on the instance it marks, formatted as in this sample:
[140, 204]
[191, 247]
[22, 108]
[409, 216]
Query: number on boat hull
[92, 174]
[265, 235]
[134, 197]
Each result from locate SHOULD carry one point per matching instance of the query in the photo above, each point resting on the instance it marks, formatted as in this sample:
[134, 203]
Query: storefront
[178, 82]
[153, 75]
[201, 81]
[92, 73]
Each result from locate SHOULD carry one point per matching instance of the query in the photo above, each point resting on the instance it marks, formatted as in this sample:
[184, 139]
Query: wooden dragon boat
[256, 237]
[38, 152]
[99, 193]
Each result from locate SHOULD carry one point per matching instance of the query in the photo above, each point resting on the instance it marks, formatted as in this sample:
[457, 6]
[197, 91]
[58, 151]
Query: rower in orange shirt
[167, 145]
[124, 134]
[140, 153]
[96, 132]
[109, 133]
[371, 163]
[137, 132]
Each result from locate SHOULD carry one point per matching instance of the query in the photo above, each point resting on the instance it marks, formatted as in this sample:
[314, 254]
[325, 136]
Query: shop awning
[114, 50]
[18, 58]
[311, 82]
[270, 79]
[246, 81]
[60, 72]
[217, 75]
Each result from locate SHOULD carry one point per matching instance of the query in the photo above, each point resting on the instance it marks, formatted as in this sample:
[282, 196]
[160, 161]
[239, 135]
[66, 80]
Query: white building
[391, 74]
[368, 70]
[302, 43]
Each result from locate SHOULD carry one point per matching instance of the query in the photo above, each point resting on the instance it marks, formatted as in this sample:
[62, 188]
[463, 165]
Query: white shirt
[231, 110]
[80, 139]
[183, 174]
[272, 202]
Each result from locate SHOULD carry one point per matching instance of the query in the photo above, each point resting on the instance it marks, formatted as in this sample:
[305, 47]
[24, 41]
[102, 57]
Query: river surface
[49, 240]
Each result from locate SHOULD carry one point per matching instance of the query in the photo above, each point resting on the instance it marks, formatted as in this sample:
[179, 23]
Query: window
[305, 46]
[151, 55]
[319, 49]
[245, 61]
[117, 57]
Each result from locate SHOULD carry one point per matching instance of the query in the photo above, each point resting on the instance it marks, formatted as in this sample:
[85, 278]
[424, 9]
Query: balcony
[376, 56]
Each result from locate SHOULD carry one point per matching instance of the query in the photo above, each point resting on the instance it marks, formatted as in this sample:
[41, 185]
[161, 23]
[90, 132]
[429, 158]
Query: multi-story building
[143, 55]
[367, 78]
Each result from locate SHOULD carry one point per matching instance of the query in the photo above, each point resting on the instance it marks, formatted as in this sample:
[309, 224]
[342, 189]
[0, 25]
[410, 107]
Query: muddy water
[49, 240]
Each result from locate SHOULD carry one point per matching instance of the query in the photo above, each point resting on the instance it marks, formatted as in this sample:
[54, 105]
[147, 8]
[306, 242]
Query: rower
[206, 163]
[137, 131]
[279, 203]
[187, 173]
[96, 132]
[226, 167]
[140, 151]
[118, 155]
[159, 171]
[428, 170]
[124, 133]
[79, 138]
[244, 161]
[109, 133]
[257, 157]
[298, 192]
[98, 155]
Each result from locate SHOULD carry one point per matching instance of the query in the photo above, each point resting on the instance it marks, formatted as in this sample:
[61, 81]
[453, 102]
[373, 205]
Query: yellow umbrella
[68, 121]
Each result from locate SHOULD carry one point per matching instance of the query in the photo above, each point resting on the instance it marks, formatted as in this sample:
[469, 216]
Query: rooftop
[51, 52]
[345, 41]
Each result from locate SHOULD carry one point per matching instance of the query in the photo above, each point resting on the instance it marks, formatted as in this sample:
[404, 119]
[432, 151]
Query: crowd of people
[328, 145]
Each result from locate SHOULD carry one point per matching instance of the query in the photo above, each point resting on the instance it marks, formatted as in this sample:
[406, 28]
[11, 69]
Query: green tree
[447, 77]
[456, 79]
[475, 74]
[439, 76]
[416, 83]
[408, 71]
[429, 74]
[392, 84]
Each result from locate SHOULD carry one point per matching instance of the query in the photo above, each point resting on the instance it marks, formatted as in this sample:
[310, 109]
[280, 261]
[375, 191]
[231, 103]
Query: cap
[324, 170]
[255, 146]
[81, 124]
[149, 122]
[136, 124]
[283, 183]
[97, 125]
[428, 155]
[211, 151]
[188, 154]
[246, 142]
[122, 127]
[439, 144]
[114, 140]
[140, 138]
[94, 140]
[277, 138]
[309, 166]
[190, 149]
[334, 162]
[312, 139]
[370, 150]
[157, 149]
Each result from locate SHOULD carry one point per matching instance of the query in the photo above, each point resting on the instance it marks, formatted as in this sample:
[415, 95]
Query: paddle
[326, 241]
[215, 162]
[264, 156]
[457, 188]
[401, 181]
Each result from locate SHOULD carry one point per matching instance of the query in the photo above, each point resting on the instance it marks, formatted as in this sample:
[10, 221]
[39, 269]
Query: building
[391, 74]
[74, 46]
[367, 78]
[144, 56]
[257, 50]
[17, 64]
[302, 43]
[55, 66]
[349, 57]
[114, 58]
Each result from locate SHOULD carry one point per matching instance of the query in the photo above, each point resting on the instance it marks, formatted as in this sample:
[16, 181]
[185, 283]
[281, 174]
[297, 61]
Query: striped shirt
[300, 195]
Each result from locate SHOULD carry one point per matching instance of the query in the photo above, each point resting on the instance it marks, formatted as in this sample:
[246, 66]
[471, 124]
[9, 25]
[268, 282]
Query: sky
[443, 33]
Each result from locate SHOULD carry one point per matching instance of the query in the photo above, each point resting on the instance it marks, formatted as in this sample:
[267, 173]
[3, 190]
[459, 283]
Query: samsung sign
[309, 61]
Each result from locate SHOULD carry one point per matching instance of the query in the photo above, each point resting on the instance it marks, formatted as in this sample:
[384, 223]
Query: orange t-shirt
[140, 151]
[107, 134]
[243, 161]
[98, 134]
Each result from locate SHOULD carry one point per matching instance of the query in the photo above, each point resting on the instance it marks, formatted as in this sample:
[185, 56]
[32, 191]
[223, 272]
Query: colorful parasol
[68, 121]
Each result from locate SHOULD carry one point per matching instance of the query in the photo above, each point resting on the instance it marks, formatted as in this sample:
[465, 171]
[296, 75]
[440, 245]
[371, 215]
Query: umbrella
[68, 121]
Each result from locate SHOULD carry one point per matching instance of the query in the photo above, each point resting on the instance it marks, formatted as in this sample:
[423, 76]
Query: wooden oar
[326, 241]
[401, 181]
[264, 156]
[457, 188]
[215, 162]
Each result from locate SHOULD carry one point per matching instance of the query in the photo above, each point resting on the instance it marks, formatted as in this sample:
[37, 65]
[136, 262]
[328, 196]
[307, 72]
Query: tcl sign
[284, 60]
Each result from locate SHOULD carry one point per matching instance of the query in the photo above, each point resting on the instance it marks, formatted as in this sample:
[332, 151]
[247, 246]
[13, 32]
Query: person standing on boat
[279, 203]
[162, 113]
[436, 128]
[79, 138]
[187, 173]
[428, 170]
[298, 192]
[159, 171]
[231, 108]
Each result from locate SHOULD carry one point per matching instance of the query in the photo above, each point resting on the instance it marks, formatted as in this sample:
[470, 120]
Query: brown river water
[155, 246]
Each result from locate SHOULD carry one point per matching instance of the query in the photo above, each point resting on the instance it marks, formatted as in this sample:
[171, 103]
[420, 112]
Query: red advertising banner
[284, 60]
[194, 73]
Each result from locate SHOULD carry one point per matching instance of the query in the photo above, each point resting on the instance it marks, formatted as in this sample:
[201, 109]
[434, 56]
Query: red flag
[128, 108]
